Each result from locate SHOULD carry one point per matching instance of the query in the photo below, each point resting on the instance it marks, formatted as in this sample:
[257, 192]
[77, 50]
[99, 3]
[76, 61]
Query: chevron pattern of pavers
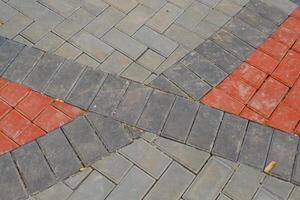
[266, 87]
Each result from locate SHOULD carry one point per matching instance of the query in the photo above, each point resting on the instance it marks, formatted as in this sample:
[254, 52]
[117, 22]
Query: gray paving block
[229, 7]
[162, 83]
[204, 68]
[230, 137]
[296, 171]
[180, 119]
[23, 64]
[244, 183]
[59, 153]
[95, 187]
[226, 61]
[279, 187]
[33, 168]
[86, 88]
[124, 6]
[295, 194]
[75, 180]
[114, 166]
[256, 20]
[58, 191]
[134, 185]
[43, 71]
[63, 81]
[155, 41]
[136, 72]
[245, 32]
[112, 133]
[210, 181]
[205, 29]
[11, 186]
[256, 145]
[217, 18]
[263, 194]
[156, 111]
[132, 105]
[84, 140]
[63, 8]
[172, 184]
[285, 6]
[146, 157]
[205, 128]
[2, 40]
[8, 52]
[232, 44]
[187, 156]
[32, 9]
[223, 197]
[284, 157]
[189, 82]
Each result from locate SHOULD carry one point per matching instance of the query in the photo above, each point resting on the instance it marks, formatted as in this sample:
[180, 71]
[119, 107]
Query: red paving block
[297, 130]
[285, 36]
[220, 100]
[296, 13]
[250, 75]
[13, 124]
[274, 48]
[296, 46]
[29, 134]
[268, 97]
[6, 144]
[292, 58]
[251, 115]
[293, 97]
[286, 73]
[33, 104]
[51, 118]
[68, 109]
[4, 108]
[284, 118]
[12, 93]
[262, 61]
[237, 88]
[293, 24]
[3, 82]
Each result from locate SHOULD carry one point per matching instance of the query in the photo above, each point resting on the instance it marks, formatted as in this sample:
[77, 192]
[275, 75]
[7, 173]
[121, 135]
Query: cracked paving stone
[75, 180]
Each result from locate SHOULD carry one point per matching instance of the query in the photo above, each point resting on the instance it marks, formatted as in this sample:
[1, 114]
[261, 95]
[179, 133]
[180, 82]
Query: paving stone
[189, 157]
[135, 19]
[22, 40]
[133, 103]
[256, 145]
[172, 184]
[295, 194]
[205, 128]
[58, 191]
[109, 95]
[155, 41]
[263, 194]
[156, 111]
[59, 153]
[136, 72]
[92, 45]
[104, 22]
[124, 43]
[181, 3]
[33, 167]
[14, 25]
[6, 12]
[32, 9]
[84, 140]
[150, 60]
[187, 81]
[286, 6]
[276, 186]
[68, 51]
[244, 183]
[204, 68]
[230, 137]
[149, 137]
[210, 181]
[85, 59]
[135, 178]
[63, 8]
[245, 32]
[192, 15]
[180, 119]
[23, 64]
[162, 83]
[75, 180]
[95, 187]
[210, 3]
[115, 63]
[205, 29]
[125, 7]
[94, 7]
[11, 186]
[43, 71]
[8, 52]
[63, 81]
[232, 44]
[183, 36]
[113, 134]
[2, 40]
[49, 43]
[217, 18]
[284, 157]
[223, 197]
[228, 7]
[114, 166]
[296, 174]
[153, 4]
[86, 88]
[146, 157]
[255, 20]
[218, 55]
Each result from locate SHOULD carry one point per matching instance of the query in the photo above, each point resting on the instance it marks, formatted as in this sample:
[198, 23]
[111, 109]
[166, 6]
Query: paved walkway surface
[116, 86]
